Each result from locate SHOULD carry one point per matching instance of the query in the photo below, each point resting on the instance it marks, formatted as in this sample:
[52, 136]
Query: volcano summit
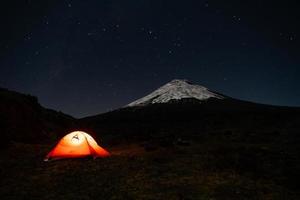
[176, 90]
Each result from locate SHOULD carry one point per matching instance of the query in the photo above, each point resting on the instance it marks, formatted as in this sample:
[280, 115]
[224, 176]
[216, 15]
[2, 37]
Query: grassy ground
[197, 171]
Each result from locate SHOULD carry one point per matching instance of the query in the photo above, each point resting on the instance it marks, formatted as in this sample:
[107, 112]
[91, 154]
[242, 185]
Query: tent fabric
[76, 144]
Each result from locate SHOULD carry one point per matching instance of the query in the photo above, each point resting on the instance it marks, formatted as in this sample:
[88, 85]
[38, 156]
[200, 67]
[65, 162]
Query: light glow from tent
[75, 139]
[77, 144]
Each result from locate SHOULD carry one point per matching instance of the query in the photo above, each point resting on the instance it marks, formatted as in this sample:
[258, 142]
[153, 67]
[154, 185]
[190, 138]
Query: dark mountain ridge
[23, 119]
[177, 113]
[189, 116]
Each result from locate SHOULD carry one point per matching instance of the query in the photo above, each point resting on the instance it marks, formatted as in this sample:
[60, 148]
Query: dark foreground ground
[195, 170]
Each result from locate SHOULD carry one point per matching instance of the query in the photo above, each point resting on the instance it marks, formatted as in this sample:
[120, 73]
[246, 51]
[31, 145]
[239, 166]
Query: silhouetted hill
[181, 108]
[23, 119]
[188, 117]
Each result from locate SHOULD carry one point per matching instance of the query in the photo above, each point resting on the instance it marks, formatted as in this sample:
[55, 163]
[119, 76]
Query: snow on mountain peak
[175, 90]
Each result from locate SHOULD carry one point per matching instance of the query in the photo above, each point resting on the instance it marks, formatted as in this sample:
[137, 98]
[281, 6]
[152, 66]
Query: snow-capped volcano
[175, 90]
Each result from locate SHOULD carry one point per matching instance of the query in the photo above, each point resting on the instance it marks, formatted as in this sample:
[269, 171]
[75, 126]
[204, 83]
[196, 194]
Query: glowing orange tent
[76, 144]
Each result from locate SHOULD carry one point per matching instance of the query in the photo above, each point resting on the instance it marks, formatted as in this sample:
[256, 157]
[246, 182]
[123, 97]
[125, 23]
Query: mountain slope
[176, 90]
[23, 119]
[182, 109]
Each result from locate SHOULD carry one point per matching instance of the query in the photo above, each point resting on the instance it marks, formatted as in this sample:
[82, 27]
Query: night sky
[86, 57]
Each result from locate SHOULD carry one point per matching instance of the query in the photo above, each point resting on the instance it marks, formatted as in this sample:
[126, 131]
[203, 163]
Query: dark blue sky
[87, 57]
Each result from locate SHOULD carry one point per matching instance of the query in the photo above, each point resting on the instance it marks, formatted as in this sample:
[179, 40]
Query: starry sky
[88, 57]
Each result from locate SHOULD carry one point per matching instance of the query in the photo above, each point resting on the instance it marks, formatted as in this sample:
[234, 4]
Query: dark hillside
[23, 119]
[192, 118]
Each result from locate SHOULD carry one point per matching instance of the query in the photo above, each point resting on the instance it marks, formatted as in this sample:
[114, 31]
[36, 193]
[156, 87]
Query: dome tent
[76, 144]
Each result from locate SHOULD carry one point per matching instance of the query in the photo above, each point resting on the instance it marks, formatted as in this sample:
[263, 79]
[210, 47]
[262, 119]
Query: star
[28, 37]
[177, 44]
